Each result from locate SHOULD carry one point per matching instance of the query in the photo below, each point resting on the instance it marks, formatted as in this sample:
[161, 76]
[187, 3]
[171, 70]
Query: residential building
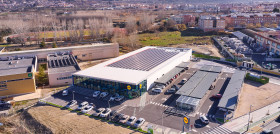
[187, 19]
[17, 76]
[134, 73]
[211, 23]
[269, 40]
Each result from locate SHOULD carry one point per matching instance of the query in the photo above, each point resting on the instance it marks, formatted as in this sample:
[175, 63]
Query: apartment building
[241, 20]
[269, 40]
[187, 19]
[211, 23]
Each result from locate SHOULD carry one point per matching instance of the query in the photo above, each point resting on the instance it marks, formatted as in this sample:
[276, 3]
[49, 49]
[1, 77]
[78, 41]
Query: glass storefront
[129, 91]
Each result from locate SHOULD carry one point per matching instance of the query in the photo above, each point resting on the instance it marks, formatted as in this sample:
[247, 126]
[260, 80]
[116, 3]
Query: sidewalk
[158, 129]
[257, 117]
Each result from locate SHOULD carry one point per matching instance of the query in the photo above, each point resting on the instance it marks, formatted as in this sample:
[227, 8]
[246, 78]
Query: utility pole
[73, 94]
[261, 68]
[249, 118]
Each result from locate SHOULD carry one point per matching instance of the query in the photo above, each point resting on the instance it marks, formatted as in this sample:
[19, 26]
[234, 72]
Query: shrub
[262, 79]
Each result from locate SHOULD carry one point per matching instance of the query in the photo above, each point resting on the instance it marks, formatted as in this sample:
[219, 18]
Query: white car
[131, 121]
[96, 93]
[156, 90]
[204, 119]
[105, 113]
[139, 122]
[87, 108]
[82, 105]
[98, 111]
[103, 94]
[113, 97]
[119, 98]
[64, 92]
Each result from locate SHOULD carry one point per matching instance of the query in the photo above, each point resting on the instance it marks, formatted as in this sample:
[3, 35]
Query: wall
[53, 79]
[170, 65]
[19, 86]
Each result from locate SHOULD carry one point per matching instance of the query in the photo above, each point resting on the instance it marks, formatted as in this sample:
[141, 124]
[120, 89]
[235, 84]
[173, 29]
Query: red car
[217, 96]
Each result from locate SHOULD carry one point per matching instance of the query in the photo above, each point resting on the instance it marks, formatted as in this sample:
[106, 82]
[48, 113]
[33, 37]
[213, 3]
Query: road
[276, 130]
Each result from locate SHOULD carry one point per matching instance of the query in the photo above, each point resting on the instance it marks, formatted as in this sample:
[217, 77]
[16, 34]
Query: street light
[261, 68]
[73, 94]
[249, 118]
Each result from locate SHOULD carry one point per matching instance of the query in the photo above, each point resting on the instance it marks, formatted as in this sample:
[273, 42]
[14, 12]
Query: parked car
[156, 90]
[139, 122]
[171, 90]
[98, 111]
[118, 117]
[204, 119]
[112, 114]
[105, 113]
[82, 105]
[103, 94]
[175, 86]
[124, 119]
[88, 108]
[113, 97]
[71, 104]
[96, 93]
[119, 98]
[183, 81]
[131, 121]
[217, 96]
[64, 92]
[161, 86]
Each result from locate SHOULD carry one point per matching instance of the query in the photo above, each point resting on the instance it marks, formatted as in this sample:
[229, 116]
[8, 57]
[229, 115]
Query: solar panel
[145, 60]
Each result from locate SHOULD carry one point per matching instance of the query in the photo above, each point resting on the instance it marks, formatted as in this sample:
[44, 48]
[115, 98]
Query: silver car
[131, 121]
[88, 108]
[82, 105]
[105, 113]
[98, 112]
[139, 122]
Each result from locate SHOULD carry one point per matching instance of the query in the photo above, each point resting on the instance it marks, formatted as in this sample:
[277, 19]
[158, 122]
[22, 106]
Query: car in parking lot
[204, 119]
[98, 112]
[105, 113]
[119, 98]
[82, 105]
[103, 94]
[171, 90]
[268, 131]
[156, 90]
[114, 96]
[95, 93]
[71, 104]
[161, 86]
[183, 81]
[124, 119]
[117, 117]
[112, 114]
[217, 96]
[88, 108]
[131, 121]
[64, 92]
[139, 123]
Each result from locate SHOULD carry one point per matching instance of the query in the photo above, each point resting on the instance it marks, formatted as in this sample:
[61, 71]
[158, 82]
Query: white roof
[129, 76]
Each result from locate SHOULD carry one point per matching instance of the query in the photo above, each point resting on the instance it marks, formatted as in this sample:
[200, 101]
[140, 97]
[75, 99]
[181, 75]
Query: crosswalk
[121, 108]
[217, 130]
[159, 104]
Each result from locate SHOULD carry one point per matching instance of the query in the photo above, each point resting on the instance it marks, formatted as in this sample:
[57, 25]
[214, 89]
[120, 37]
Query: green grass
[171, 38]
[205, 56]
[4, 45]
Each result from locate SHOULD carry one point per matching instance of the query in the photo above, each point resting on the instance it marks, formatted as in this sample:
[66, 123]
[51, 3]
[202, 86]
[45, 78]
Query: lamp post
[249, 118]
[261, 68]
[73, 94]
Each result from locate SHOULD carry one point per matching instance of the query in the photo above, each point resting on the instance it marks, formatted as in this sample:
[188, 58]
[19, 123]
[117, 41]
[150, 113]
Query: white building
[134, 73]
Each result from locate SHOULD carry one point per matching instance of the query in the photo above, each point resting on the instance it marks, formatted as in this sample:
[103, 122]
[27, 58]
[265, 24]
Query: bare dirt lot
[66, 122]
[257, 95]
[205, 49]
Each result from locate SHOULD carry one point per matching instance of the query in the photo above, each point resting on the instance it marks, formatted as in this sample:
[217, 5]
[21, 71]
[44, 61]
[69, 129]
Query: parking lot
[154, 107]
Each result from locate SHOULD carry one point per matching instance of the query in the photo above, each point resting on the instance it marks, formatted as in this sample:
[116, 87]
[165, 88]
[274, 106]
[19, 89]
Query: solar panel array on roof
[165, 78]
[145, 60]
[230, 96]
[61, 61]
[204, 85]
[188, 100]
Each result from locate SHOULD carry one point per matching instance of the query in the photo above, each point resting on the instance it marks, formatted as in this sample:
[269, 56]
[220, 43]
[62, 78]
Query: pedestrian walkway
[217, 130]
[158, 129]
[159, 104]
[274, 81]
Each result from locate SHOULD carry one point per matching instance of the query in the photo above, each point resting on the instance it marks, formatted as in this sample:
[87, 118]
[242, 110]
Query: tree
[266, 25]
[258, 25]
[43, 44]
[274, 25]
[41, 76]
[181, 27]
[9, 40]
[250, 26]
[130, 25]
[276, 10]
[54, 45]
[230, 28]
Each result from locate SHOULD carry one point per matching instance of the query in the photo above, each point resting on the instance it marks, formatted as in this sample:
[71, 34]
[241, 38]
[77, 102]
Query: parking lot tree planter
[262, 79]
[220, 120]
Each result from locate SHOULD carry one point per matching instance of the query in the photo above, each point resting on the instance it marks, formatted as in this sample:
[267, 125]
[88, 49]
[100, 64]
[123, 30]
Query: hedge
[262, 79]
[205, 56]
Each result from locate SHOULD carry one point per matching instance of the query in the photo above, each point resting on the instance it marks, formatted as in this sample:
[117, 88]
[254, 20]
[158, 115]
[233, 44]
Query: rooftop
[62, 63]
[16, 66]
[134, 67]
